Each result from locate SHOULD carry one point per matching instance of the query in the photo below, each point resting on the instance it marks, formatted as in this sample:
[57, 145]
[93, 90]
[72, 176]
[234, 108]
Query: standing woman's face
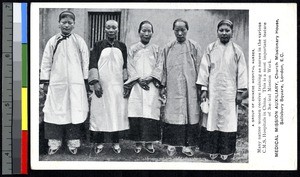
[180, 31]
[224, 33]
[146, 33]
[66, 25]
[111, 29]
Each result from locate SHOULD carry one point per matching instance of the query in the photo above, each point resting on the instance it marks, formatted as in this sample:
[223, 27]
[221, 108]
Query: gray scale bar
[7, 86]
[17, 88]
[16, 126]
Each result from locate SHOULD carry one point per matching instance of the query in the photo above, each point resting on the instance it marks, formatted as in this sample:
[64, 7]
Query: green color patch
[24, 65]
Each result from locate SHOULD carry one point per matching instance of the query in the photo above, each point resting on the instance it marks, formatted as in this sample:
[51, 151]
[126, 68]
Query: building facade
[202, 25]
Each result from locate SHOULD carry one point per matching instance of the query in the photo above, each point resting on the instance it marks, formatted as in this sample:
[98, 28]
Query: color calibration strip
[14, 89]
[24, 137]
[20, 130]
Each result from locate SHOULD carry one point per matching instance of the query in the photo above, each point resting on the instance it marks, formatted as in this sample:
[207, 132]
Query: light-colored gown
[66, 100]
[142, 60]
[180, 75]
[182, 113]
[223, 70]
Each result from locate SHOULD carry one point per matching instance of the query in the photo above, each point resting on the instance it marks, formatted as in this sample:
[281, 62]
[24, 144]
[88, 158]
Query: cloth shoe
[226, 158]
[74, 145]
[54, 145]
[52, 151]
[213, 156]
[73, 150]
[149, 147]
[98, 148]
[171, 150]
[187, 151]
[117, 148]
[138, 148]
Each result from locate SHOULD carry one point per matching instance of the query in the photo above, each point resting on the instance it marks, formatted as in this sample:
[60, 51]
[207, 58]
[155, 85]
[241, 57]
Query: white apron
[109, 113]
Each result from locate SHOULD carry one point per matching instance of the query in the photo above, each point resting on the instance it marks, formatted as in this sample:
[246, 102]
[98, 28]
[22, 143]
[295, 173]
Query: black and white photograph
[143, 85]
[165, 84]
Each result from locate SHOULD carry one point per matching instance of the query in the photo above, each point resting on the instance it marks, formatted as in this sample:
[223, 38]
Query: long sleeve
[198, 55]
[132, 73]
[242, 76]
[124, 53]
[203, 74]
[93, 64]
[162, 64]
[157, 71]
[46, 64]
[85, 58]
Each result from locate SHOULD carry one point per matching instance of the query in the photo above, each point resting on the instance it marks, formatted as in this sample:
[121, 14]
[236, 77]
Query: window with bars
[97, 23]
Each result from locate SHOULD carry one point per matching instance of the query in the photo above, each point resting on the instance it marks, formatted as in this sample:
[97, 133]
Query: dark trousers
[68, 131]
[180, 135]
[143, 129]
[101, 137]
[217, 142]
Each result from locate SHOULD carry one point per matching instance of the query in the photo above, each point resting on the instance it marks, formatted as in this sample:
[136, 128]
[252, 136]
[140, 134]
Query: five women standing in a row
[172, 74]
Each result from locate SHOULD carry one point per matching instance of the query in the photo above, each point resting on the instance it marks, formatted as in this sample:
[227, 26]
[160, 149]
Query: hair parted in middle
[181, 20]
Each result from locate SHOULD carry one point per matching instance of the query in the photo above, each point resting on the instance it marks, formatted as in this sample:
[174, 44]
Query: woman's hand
[45, 87]
[98, 90]
[239, 98]
[204, 95]
[143, 84]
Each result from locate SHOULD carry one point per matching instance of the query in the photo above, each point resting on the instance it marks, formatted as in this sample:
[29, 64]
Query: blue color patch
[24, 23]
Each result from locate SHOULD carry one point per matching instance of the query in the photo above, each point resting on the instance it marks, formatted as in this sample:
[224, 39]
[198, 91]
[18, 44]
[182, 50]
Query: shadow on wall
[240, 20]
[240, 17]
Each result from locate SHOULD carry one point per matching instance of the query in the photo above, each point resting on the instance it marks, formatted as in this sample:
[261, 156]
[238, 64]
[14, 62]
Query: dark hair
[65, 14]
[145, 22]
[181, 20]
[225, 22]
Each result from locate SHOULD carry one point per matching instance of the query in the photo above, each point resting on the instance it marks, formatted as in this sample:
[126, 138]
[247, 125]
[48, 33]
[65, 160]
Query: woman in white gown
[143, 90]
[223, 79]
[64, 73]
